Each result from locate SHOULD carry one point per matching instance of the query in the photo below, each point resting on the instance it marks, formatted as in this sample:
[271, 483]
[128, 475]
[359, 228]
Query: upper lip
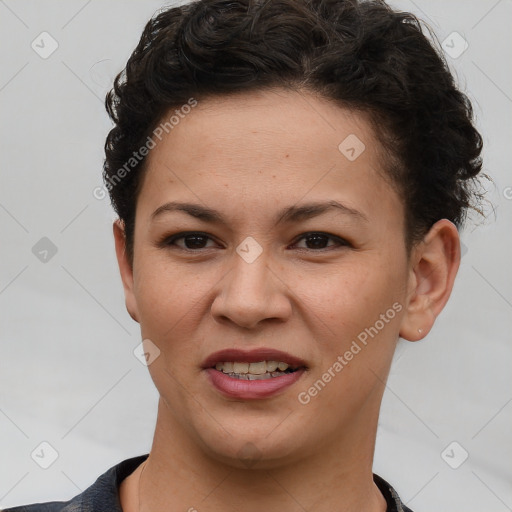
[251, 356]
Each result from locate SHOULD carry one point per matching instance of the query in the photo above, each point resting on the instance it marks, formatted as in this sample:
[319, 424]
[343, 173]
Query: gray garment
[103, 494]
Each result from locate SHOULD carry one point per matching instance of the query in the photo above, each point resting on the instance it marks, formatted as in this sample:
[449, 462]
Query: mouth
[252, 374]
[254, 362]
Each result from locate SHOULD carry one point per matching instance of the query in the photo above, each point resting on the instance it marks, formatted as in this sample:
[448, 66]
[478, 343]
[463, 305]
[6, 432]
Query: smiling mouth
[260, 370]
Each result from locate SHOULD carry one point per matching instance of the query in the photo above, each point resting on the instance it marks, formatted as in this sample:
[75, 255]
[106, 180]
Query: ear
[125, 268]
[434, 265]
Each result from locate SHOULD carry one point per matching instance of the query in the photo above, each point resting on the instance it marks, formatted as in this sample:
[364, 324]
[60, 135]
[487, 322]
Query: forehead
[266, 149]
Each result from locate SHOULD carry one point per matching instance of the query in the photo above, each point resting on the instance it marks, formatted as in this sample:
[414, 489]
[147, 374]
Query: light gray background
[68, 375]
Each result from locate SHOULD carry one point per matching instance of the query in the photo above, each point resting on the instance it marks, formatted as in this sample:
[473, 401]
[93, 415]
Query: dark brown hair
[363, 55]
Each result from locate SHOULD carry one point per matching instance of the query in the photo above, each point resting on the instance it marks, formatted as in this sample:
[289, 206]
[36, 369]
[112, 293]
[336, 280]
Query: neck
[335, 478]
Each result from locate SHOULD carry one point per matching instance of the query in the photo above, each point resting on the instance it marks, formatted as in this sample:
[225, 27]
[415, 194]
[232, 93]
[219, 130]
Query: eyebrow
[289, 214]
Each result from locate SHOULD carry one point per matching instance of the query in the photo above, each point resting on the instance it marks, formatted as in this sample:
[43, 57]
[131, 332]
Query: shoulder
[102, 495]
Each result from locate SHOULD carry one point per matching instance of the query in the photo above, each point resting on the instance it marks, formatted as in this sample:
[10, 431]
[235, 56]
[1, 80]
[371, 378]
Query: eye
[317, 241]
[192, 240]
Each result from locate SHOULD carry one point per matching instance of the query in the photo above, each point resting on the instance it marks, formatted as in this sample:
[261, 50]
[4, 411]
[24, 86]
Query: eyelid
[168, 241]
[342, 242]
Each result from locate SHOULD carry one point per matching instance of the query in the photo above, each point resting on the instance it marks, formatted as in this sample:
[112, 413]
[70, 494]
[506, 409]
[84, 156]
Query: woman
[289, 177]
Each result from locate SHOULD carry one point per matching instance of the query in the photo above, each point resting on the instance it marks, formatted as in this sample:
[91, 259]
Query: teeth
[272, 366]
[241, 367]
[249, 376]
[259, 368]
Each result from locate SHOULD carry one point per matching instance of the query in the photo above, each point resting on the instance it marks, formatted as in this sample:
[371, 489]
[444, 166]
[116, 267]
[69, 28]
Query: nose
[251, 293]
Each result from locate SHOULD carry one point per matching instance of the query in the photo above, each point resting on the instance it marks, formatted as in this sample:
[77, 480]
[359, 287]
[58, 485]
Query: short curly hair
[363, 55]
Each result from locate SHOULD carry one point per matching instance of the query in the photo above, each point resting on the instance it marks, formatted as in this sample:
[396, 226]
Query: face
[295, 243]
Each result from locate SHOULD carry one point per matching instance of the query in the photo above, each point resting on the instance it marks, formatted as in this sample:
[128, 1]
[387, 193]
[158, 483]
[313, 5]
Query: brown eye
[191, 241]
[319, 241]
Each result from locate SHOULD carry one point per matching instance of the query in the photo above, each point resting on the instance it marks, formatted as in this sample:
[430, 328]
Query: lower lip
[251, 389]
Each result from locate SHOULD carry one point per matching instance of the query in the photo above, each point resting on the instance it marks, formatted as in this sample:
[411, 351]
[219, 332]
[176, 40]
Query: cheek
[348, 297]
[169, 304]
[356, 314]
[355, 342]
[168, 296]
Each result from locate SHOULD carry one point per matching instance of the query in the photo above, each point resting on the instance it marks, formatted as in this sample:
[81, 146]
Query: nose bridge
[250, 292]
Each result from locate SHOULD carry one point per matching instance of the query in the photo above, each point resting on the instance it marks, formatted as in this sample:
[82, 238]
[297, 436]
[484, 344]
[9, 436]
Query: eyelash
[170, 241]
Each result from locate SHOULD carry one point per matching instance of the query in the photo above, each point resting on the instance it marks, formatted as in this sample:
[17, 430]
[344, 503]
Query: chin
[248, 448]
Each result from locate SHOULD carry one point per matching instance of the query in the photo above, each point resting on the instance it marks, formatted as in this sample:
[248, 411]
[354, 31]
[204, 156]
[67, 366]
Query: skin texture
[248, 156]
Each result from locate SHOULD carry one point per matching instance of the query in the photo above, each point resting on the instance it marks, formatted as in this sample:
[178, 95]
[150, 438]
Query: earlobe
[125, 269]
[434, 265]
